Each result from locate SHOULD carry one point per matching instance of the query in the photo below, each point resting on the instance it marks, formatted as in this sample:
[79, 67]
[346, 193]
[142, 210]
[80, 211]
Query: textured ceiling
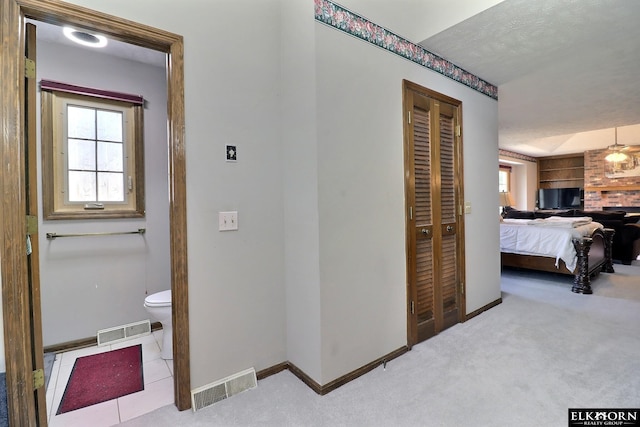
[416, 20]
[564, 68]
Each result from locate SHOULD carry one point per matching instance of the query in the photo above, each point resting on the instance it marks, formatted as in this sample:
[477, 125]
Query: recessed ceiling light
[84, 38]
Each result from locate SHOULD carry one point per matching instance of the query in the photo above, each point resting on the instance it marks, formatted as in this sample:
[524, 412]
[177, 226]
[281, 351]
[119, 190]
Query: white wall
[232, 89]
[530, 176]
[361, 197]
[93, 283]
[524, 182]
[362, 228]
[300, 183]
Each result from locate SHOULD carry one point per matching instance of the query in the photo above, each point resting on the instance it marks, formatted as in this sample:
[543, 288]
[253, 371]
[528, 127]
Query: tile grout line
[118, 406]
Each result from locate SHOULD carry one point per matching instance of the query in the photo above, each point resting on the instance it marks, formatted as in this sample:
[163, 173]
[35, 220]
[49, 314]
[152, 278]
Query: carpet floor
[103, 376]
[524, 362]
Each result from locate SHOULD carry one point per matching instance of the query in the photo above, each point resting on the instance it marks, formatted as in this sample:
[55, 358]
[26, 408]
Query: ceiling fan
[616, 151]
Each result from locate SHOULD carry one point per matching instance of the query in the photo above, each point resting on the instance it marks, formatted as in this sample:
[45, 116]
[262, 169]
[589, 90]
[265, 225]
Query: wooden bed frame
[594, 256]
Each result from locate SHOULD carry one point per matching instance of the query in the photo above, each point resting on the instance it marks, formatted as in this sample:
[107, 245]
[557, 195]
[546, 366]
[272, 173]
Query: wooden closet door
[433, 196]
[449, 285]
[422, 304]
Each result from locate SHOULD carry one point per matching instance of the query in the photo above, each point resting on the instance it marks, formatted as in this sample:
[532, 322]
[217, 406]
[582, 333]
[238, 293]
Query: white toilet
[158, 305]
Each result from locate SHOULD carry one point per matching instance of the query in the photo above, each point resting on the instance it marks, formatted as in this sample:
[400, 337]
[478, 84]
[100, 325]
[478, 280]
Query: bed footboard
[594, 255]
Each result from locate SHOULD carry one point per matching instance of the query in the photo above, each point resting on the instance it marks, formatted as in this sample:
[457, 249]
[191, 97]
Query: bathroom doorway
[18, 326]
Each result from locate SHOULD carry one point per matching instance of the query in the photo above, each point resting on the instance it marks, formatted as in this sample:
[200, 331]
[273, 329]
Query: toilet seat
[159, 299]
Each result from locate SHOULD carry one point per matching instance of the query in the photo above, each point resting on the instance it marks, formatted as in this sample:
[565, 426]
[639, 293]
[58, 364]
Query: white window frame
[56, 204]
[506, 171]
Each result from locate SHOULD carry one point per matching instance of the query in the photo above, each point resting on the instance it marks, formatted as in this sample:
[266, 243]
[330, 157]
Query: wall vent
[124, 332]
[209, 394]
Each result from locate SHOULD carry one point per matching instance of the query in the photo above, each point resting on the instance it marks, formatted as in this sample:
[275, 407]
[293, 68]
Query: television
[560, 198]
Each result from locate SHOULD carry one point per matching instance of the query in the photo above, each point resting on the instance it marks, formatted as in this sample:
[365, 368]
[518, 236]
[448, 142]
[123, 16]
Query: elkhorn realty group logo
[604, 417]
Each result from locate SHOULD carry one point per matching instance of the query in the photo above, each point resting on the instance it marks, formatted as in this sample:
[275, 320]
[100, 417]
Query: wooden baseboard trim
[338, 382]
[483, 309]
[363, 370]
[84, 342]
[305, 378]
[260, 375]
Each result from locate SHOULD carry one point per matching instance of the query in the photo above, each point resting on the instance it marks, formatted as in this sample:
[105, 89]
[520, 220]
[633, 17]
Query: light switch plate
[227, 221]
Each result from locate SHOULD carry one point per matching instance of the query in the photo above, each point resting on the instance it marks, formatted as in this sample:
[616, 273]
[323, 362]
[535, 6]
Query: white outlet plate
[227, 221]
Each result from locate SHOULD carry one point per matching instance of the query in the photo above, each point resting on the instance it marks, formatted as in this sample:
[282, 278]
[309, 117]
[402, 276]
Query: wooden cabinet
[561, 171]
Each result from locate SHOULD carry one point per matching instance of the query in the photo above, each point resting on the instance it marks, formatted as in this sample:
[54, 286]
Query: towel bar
[52, 236]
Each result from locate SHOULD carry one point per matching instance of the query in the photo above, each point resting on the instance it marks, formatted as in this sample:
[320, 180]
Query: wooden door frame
[459, 189]
[13, 264]
[30, 144]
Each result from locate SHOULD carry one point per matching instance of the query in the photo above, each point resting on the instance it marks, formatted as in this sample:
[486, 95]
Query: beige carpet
[522, 363]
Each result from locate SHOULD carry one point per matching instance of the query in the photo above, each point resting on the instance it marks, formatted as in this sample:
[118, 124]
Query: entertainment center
[561, 182]
[575, 185]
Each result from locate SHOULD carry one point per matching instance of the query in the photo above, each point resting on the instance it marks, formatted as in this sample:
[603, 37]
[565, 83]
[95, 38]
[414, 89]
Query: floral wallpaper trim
[515, 155]
[338, 17]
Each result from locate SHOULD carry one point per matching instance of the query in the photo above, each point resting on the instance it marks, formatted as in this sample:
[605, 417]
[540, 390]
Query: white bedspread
[552, 240]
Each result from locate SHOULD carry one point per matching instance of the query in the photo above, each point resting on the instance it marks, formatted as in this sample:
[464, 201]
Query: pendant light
[616, 154]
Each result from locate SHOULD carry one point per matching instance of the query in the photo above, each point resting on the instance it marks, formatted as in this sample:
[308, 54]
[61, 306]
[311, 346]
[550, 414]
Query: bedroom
[581, 183]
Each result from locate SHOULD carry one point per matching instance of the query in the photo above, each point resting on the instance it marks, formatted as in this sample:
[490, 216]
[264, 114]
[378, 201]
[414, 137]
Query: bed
[574, 246]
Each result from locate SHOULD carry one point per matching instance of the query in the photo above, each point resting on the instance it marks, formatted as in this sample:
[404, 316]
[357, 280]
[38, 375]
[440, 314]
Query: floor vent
[209, 394]
[124, 332]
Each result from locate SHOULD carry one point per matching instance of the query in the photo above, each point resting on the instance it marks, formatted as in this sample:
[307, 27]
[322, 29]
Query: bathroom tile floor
[158, 387]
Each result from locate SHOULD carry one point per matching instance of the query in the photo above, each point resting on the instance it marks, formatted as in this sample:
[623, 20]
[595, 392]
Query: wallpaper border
[336, 16]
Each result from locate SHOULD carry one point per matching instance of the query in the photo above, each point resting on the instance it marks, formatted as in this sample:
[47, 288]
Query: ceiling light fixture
[616, 154]
[84, 38]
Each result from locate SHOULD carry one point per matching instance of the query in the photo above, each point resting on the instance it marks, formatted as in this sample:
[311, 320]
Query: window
[504, 178]
[92, 154]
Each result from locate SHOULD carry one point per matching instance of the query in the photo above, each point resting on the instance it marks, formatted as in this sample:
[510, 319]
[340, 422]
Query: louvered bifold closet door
[433, 177]
[448, 259]
[424, 268]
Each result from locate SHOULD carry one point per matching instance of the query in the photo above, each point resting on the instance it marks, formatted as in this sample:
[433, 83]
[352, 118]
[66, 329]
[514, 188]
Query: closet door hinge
[32, 225]
[29, 68]
[409, 116]
[38, 378]
[457, 130]
[413, 308]
[462, 288]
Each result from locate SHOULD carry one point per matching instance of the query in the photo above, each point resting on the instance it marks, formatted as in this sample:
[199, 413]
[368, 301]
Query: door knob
[449, 228]
[425, 231]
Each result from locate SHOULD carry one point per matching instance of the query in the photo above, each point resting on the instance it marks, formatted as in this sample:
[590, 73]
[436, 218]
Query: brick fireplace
[606, 186]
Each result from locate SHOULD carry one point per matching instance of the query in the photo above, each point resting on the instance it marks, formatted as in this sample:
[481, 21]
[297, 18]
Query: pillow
[516, 214]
